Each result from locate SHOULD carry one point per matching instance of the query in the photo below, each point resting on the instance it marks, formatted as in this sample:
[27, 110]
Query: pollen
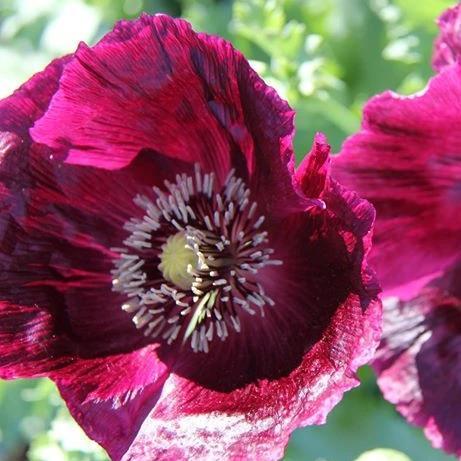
[175, 260]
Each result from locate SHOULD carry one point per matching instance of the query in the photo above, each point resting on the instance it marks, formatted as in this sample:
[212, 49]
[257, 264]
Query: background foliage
[327, 57]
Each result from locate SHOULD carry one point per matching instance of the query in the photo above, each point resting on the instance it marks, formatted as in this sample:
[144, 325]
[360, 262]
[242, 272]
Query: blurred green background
[327, 57]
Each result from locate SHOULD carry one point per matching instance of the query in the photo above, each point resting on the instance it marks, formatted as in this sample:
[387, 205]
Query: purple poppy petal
[190, 96]
[18, 114]
[28, 345]
[160, 101]
[173, 97]
[407, 161]
[255, 422]
[419, 360]
[270, 122]
[447, 46]
[31, 100]
[118, 391]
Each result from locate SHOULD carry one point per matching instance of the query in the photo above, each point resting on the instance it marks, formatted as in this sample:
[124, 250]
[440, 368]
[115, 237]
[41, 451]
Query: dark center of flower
[190, 266]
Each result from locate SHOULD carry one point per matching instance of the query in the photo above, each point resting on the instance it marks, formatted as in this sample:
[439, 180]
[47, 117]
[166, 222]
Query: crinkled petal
[148, 84]
[111, 396]
[187, 96]
[29, 102]
[270, 121]
[419, 360]
[57, 243]
[447, 46]
[255, 422]
[29, 346]
[406, 160]
[18, 113]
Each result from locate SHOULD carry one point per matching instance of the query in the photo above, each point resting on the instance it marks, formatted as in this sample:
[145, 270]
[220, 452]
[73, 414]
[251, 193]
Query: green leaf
[423, 12]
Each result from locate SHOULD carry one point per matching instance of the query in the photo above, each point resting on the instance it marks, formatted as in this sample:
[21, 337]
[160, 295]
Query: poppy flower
[406, 160]
[191, 293]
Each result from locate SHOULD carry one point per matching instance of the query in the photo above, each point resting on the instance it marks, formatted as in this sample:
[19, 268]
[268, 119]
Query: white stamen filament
[222, 230]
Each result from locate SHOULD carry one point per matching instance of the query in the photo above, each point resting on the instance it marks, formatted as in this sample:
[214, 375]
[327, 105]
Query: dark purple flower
[191, 294]
[419, 360]
[447, 46]
[406, 160]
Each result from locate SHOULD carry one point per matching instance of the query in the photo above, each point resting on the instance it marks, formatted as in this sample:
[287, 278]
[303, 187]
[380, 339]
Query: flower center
[175, 260]
[191, 266]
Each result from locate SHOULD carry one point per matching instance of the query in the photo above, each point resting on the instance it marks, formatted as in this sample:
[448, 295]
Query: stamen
[190, 265]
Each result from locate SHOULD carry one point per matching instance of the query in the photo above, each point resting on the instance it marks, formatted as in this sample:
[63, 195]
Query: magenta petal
[28, 103]
[447, 46]
[255, 422]
[182, 94]
[110, 397]
[419, 360]
[187, 96]
[159, 101]
[18, 113]
[29, 346]
[407, 161]
[28, 343]
[312, 173]
[270, 122]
